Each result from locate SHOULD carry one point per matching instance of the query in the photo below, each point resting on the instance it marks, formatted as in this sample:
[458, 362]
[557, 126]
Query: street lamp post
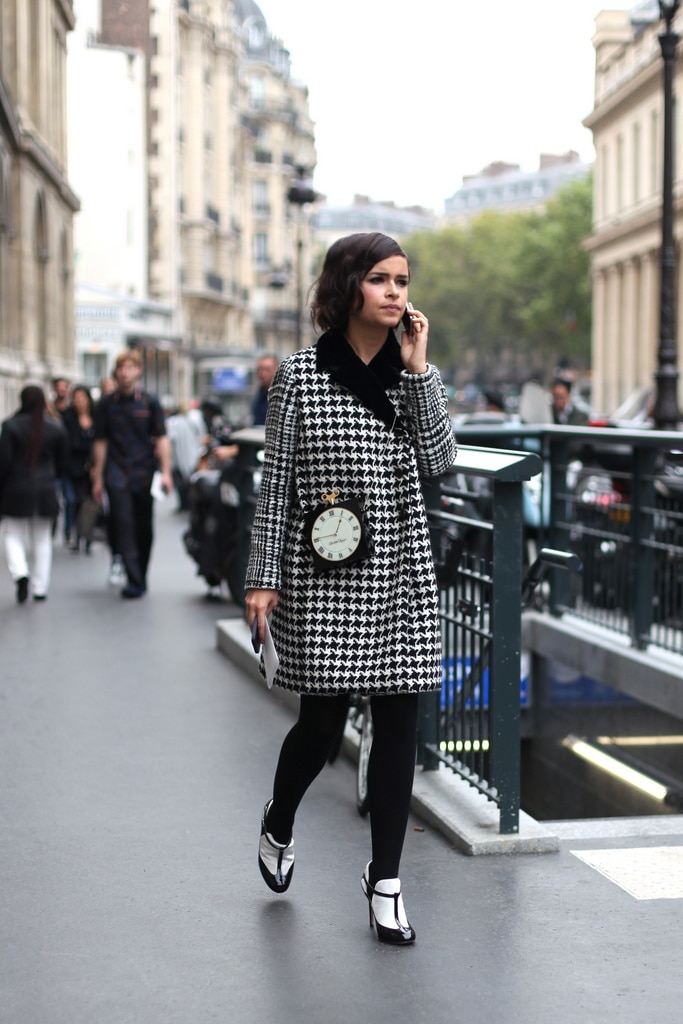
[665, 412]
[300, 194]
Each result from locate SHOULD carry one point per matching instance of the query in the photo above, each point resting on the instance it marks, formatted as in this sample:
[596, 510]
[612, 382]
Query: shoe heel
[396, 932]
[275, 860]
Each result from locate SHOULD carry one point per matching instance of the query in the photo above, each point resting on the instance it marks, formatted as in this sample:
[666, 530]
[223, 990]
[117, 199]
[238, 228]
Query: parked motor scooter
[212, 536]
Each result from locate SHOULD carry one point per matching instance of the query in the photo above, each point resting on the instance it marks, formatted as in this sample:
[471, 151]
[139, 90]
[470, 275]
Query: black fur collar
[369, 382]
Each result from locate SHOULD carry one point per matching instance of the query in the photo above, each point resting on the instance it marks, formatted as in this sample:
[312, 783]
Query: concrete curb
[442, 799]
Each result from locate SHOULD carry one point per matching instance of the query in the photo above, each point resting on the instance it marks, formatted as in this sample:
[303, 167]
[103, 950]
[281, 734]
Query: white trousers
[29, 541]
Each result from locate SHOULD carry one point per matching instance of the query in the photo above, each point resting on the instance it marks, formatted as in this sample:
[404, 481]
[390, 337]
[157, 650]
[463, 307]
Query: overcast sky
[410, 95]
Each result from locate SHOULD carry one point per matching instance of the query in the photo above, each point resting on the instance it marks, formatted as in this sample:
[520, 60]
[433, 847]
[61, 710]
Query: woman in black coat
[78, 422]
[341, 566]
[33, 453]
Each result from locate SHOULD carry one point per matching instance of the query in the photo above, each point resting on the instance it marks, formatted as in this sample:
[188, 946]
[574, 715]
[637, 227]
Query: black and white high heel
[387, 912]
[275, 860]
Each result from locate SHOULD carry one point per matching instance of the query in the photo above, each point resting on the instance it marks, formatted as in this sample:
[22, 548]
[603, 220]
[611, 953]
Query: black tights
[390, 771]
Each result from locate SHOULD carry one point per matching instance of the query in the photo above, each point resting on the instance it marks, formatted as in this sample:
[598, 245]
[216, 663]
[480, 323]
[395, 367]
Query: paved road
[134, 763]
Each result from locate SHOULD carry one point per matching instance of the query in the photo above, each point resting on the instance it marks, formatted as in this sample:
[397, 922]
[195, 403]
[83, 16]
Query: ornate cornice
[31, 148]
[8, 119]
[24, 143]
[630, 227]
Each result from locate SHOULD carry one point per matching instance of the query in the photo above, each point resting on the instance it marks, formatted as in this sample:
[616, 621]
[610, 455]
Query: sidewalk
[135, 759]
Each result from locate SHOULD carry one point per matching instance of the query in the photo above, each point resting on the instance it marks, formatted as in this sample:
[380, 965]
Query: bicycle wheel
[366, 733]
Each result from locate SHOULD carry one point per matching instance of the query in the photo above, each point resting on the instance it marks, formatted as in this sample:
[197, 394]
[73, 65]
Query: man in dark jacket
[33, 454]
[265, 371]
[130, 444]
[563, 409]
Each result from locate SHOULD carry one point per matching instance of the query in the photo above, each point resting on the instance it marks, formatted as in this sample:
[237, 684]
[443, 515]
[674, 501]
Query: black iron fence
[472, 725]
[618, 502]
[614, 497]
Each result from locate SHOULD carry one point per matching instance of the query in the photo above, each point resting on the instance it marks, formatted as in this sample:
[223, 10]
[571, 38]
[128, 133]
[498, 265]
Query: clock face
[335, 534]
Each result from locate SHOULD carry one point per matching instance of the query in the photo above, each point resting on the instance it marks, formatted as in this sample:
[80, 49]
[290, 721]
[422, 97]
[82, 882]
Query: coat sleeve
[428, 421]
[275, 498]
[5, 456]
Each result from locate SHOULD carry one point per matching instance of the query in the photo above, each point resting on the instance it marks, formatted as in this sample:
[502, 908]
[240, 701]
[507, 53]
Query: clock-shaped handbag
[336, 532]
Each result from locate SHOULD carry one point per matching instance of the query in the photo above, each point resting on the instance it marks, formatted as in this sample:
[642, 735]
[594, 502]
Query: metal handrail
[473, 724]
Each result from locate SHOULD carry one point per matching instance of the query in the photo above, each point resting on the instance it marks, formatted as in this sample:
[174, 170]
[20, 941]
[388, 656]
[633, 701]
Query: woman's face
[80, 401]
[385, 293]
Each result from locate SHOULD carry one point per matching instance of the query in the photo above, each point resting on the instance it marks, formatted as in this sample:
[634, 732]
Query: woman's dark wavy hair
[337, 291]
[32, 401]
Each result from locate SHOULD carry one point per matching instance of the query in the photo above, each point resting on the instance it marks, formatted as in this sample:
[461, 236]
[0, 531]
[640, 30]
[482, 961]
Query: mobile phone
[406, 318]
[255, 642]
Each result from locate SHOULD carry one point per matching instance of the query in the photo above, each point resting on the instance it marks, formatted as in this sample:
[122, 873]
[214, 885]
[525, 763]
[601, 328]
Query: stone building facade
[278, 150]
[626, 123]
[36, 202]
[364, 214]
[226, 128]
[508, 189]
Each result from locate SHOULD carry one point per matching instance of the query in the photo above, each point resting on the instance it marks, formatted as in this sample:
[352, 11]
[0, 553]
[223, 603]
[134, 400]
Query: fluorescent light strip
[466, 746]
[616, 768]
[641, 741]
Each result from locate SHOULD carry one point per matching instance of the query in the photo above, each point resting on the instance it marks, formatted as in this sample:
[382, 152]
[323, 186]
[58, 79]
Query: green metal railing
[615, 497]
[472, 724]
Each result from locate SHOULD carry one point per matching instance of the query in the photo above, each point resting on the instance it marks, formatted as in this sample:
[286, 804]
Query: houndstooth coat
[371, 627]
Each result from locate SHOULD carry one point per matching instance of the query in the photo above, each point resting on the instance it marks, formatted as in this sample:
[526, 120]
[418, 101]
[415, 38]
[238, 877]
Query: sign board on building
[229, 378]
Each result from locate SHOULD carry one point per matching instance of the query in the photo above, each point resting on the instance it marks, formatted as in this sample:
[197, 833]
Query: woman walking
[33, 452]
[340, 555]
[78, 421]
[80, 432]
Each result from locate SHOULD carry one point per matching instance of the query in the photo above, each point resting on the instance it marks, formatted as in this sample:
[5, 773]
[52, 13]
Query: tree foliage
[508, 288]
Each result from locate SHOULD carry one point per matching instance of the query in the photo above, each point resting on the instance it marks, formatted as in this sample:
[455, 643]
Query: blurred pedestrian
[33, 454]
[340, 550]
[265, 371]
[130, 444]
[185, 450]
[491, 410]
[563, 409]
[195, 418]
[216, 444]
[56, 406]
[78, 421]
[117, 573]
[107, 386]
[61, 394]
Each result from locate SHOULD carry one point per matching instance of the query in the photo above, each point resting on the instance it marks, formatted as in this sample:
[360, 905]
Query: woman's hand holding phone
[406, 319]
[414, 340]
